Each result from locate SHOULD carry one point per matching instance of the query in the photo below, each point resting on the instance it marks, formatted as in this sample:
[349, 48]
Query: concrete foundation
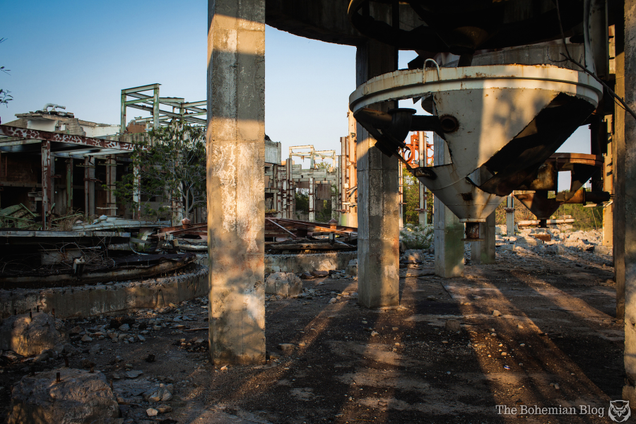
[378, 208]
[626, 224]
[111, 298]
[449, 231]
[235, 180]
[308, 262]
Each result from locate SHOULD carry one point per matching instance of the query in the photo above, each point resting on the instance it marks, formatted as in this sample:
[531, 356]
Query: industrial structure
[501, 84]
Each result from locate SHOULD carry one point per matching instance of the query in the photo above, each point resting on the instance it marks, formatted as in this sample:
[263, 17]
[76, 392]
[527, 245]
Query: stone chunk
[79, 397]
[285, 284]
[30, 336]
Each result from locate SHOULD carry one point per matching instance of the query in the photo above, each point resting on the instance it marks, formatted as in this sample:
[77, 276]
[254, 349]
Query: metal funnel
[501, 123]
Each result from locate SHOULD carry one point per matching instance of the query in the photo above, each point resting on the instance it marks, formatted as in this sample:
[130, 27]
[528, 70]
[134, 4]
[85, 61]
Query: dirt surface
[534, 329]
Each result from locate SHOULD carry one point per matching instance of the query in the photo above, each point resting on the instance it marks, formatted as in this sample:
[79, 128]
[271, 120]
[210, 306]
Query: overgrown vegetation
[168, 173]
[5, 95]
[411, 190]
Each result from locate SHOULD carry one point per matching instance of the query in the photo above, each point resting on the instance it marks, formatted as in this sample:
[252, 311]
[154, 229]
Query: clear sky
[81, 53]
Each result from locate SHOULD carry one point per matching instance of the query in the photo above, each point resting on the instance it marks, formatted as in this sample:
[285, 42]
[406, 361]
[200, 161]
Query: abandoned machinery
[502, 120]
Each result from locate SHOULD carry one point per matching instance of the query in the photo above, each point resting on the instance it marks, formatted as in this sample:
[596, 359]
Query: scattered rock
[79, 397]
[287, 348]
[285, 284]
[75, 330]
[152, 412]
[87, 338]
[132, 374]
[352, 268]
[162, 394]
[124, 327]
[320, 274]
[453, 325]
[496, 313]
[30, 336]
[45, 355]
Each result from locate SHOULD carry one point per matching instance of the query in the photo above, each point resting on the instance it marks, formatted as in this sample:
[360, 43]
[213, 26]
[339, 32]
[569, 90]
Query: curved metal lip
[411, 83]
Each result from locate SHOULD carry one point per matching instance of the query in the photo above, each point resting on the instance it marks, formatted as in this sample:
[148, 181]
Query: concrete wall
[308, 262]
[106, 298]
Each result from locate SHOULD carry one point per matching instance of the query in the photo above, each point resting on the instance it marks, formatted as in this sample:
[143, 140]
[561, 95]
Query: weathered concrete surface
[79, 397]
[378, 206]
[483, 252]
[449, 231]
[618, 151]
[235, 180]
[308, 262]
[285, 284]
[30, 335]
[626, 224]
[106, 298]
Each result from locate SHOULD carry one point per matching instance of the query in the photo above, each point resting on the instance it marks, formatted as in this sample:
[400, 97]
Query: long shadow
[574, 332]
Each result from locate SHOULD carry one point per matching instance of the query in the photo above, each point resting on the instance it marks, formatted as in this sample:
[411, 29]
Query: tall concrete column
[449, 231]
[312, 199]
[619, 145]
[510, 215]
[625, 183]
[235, 180]
[47, 181]
[111, 183]
[378, 208]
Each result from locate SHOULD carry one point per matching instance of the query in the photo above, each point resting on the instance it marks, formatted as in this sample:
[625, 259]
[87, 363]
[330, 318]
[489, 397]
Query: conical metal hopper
[501, 123]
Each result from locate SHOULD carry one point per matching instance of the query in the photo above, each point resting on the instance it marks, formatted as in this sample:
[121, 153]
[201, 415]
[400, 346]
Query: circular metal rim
[415, 83]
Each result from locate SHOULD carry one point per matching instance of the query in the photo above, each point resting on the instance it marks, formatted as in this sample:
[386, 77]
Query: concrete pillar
[510, 215]
[291, 194]
[449, 231]
[378, 211]
[47, 181]
[69, 185]
[626, 224]
[401, 195]
[619, 141]
[483, 252]
[312, 199]
[236, 180]
[111, 184]
[608, 186]
[89, 185]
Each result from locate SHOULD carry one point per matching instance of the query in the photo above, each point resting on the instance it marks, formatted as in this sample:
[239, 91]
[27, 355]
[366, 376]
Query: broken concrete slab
[30, 335]
[285, 284]
[77, 397]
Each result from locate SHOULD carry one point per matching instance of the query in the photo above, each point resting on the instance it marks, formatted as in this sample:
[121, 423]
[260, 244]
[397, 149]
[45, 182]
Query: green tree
[169, 166]
[5, 96]
[411, 190]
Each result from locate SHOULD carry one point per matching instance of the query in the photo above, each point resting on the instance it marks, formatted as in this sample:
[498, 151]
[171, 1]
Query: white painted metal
[492, 105]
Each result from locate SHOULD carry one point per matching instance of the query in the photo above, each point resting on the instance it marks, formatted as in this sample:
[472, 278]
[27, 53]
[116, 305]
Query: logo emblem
[619, 411]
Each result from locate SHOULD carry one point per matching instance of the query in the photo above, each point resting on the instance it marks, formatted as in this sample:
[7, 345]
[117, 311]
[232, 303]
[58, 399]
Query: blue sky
[80, 54]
